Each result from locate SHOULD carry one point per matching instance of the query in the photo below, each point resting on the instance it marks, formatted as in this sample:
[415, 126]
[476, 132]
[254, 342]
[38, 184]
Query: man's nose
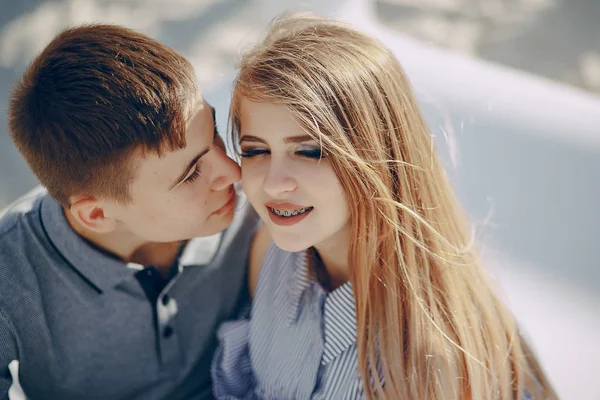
[227, 171]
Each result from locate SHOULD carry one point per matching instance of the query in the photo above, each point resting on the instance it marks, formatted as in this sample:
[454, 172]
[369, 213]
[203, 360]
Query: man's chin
[215, 227]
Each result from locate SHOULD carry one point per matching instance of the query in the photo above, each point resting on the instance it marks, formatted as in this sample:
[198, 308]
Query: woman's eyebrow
[288, 139]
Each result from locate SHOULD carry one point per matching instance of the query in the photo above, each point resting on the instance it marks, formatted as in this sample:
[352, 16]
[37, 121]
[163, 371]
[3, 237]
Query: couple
[139, 273]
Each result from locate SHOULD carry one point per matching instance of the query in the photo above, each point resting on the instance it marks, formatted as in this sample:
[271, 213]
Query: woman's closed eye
[311, 153]
[249, 152]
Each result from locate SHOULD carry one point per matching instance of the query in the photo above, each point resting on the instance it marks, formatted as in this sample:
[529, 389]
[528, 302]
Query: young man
[114, 278]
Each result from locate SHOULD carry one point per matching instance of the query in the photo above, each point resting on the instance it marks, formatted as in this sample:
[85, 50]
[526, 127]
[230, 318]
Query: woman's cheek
[251, 174]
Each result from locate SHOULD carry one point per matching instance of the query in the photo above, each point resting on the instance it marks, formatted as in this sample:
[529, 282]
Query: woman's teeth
[290, 213]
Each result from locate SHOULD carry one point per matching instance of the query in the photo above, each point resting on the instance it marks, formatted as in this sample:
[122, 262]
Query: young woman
[372, 288]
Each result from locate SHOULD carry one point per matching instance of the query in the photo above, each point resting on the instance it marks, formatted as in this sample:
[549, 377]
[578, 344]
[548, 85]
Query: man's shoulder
[21, 234]
[20, 231]
[26, 208]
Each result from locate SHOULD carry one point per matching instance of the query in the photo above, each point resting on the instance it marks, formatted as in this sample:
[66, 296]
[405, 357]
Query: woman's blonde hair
[428, 324]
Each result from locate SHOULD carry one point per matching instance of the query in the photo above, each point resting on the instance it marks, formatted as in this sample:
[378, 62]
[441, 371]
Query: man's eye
[249, 153]
[194, 175]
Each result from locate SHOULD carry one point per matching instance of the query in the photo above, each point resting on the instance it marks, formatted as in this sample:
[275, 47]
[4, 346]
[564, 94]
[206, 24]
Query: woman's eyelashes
[249, 152]
[313, 153]
[309, 152]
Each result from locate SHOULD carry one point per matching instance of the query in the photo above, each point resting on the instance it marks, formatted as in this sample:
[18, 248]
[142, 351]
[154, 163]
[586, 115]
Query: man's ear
[89, 212]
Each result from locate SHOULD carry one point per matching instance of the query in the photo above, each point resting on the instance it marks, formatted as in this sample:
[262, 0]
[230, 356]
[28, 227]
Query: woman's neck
[333, 254]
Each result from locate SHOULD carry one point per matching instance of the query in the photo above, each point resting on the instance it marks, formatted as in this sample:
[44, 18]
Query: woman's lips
[287, 208]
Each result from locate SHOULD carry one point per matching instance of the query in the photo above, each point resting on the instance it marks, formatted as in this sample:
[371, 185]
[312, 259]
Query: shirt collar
[300, 281]
[100, 269]
[103, 270]
[339, 310]
[200, 251]
[339, 315]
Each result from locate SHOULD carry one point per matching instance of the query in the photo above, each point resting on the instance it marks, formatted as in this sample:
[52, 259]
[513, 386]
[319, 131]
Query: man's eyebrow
[288, 139]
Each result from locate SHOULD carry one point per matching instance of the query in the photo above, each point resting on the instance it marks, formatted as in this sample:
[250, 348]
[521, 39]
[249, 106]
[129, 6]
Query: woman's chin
[293, 246]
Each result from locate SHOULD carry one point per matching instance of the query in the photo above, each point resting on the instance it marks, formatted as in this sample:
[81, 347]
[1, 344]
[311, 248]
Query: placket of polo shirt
[167, 334]
[197, 252]
[165, 309]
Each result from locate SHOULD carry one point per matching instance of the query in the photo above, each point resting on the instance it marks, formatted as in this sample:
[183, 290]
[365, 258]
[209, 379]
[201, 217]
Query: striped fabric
[299, 342]
[296, 342]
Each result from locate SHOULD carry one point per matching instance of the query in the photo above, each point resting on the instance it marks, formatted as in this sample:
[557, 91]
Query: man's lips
[228, 206]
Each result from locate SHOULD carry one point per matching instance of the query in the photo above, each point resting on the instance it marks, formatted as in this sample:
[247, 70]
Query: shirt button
[168, 332]
[165, 299]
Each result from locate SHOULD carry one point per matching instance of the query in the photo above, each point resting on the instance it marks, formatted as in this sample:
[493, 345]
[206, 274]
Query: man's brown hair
[94, 96]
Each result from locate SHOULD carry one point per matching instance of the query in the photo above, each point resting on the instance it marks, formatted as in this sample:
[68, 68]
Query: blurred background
[510, 88]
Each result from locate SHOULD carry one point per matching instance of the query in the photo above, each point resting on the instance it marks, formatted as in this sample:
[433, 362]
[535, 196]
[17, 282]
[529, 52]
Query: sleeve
[232, 374]
[8, 354]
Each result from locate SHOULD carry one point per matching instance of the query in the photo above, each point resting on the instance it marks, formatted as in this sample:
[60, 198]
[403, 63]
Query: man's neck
[161, 255]
[127, 247]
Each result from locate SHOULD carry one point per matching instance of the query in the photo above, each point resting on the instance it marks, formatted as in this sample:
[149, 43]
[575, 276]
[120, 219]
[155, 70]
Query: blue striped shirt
[299, 341]
[296, 342]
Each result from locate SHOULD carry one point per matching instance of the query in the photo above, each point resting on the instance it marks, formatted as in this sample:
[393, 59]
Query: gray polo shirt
[83, 325]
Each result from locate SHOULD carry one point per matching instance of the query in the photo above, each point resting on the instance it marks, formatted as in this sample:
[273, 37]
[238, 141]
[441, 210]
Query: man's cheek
[220, 143]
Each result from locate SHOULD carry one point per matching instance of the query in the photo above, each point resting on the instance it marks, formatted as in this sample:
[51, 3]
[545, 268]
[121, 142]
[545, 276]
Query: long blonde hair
[428, 324]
